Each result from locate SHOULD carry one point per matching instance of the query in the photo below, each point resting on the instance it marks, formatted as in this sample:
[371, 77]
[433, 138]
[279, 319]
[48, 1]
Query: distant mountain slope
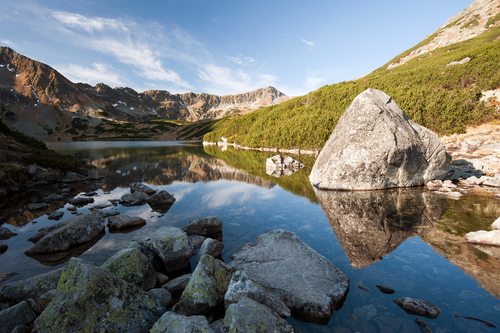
[41, 102]
[445, 90]
[471, 22]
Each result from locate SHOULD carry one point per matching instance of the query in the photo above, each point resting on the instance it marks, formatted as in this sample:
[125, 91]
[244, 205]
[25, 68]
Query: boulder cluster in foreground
[148, 287]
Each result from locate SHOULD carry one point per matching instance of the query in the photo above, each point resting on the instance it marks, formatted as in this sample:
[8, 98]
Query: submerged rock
[172, 322]
[124, 222]
[385, 289]
[132, 265]
[172, 246]
[81, 230]
[81, 201]
[91, 299]
[55, 215]
[33, 287]
[206, 227]
[161, 201]
[375, 145]
[206, 288]
[17, 315]
[6, 233]
[134, 199]
[242, 286]
[248, 316]
[140, 187]
[308, 283]
[418, 307]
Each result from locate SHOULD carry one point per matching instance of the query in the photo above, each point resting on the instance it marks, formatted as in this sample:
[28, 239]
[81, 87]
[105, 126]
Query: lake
[410, 240]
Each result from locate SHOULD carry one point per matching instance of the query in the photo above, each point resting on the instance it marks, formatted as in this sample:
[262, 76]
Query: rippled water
[410, 240]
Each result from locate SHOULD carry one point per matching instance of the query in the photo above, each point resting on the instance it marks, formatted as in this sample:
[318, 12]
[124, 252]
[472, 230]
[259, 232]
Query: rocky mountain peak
[480, 16]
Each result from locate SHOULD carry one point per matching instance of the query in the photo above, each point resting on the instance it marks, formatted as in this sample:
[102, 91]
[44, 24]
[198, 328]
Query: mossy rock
[132, 265]
[172, 322]
[172, 246]
[249, 316]
[92, 299]
[205, 290]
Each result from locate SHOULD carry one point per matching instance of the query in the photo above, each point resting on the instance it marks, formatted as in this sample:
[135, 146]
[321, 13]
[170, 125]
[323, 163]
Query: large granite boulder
[133, 265]
[33, 287]
[307, 282]
[205, 290]
[172, 246]
[248, 316]
[91, 299]
[82, 229]
[375, 145]
[172, 322]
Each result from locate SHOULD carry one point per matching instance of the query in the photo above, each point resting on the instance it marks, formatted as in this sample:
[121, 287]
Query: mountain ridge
[40, 101]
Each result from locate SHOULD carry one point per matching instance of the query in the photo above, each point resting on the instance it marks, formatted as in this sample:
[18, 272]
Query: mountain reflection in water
[419, 235]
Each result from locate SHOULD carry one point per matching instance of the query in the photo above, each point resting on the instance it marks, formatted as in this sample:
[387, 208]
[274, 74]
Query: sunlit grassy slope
[445, 99]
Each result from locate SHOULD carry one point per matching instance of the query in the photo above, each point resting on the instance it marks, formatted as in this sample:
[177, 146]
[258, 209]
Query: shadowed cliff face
[370, 224]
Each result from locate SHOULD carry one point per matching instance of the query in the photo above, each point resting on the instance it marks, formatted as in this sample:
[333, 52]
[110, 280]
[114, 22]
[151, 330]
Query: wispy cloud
[122, 40]
[89, 23]
[222, 80]
[96, 73]
[242, 60]
[309, 43]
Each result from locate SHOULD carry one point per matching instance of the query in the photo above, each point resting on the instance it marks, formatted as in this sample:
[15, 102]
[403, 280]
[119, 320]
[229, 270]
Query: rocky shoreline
[175, 280]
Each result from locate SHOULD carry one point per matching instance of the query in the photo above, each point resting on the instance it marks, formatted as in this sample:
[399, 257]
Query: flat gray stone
[303, 279]
[81, 230]
[176, 286]
[124, 222]
[134, 199]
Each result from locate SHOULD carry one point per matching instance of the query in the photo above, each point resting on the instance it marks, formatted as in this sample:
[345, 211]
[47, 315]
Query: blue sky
[221, 47]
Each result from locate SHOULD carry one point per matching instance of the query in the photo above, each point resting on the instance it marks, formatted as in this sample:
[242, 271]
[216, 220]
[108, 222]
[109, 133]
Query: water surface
[410, 240]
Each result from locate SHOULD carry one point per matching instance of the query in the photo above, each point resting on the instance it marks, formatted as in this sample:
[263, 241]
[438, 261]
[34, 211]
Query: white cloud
[96, 73]
[125, 41]
[309, 43]
[224, 80]
[145, 60]
[242, 60]
[89, 23]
